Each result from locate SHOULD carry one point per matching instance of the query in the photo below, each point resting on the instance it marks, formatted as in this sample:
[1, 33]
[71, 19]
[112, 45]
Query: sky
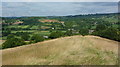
[60, 0]
[56, 8]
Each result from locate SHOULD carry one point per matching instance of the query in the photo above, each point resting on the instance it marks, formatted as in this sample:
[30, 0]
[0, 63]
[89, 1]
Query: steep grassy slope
[74, 50]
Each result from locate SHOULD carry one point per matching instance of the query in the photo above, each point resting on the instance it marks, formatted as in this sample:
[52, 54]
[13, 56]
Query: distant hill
[73, 50]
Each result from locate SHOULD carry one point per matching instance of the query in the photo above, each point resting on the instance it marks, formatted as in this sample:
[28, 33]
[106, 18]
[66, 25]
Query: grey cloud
[56, 8]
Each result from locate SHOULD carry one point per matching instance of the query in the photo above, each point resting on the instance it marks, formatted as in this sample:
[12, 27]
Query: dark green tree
[25, 37]
[10, 36]
[69, 33]
[37, 38]
[110, 33]
[100, 27]
[84, 31]
[56, 34]
[12, 42]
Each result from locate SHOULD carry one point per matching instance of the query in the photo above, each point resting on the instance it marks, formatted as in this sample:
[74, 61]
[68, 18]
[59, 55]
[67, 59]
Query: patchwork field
[73, 50]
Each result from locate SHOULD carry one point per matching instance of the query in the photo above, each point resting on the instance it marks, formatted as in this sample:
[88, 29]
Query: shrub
[13, 42]
[56, 34]
[10, 36]
[37, 38]
[25, 37]
[110, 33]
[69, 33]
[84, 32]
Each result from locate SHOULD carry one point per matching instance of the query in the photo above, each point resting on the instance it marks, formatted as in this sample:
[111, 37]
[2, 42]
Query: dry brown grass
[74, 50]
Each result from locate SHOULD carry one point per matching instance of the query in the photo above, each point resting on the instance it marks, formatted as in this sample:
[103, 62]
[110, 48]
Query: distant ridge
[65, 16]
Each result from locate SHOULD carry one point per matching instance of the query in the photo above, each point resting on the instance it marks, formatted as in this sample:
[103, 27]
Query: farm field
[61, 40]
[72, 50]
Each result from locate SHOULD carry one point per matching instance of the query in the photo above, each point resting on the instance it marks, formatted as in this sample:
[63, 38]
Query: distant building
[70, 29]
[91, 31]
[53, 28]
[45, 37]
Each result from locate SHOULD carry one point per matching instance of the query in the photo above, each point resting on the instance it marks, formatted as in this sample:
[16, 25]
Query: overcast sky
[53, 1]
[60, 0]
[57, 8]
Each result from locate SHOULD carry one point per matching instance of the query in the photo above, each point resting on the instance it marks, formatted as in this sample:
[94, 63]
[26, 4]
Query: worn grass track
[74, 50]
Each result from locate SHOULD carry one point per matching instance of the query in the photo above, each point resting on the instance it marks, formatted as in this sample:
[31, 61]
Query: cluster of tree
[99, 23]
[69, 33]
[84, 31]
[107, 32]
[6, 32]
[37, 38]
[22, 33]
[56, 34]
[30, 21]
[26, 37]
[12, 42]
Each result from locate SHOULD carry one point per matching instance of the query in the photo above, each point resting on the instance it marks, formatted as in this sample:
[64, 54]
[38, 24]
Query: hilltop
[73, 50]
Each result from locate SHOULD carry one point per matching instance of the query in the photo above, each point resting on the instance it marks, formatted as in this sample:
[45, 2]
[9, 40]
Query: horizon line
[64, 15]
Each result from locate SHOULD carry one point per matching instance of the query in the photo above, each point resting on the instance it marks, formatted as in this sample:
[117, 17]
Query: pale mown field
[74, 50]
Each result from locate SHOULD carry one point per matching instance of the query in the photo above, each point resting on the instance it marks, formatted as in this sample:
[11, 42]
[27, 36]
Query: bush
[110, 33]
[6, 32]
[25, 37]
[69, 33]
[84, 32]
[10, 36]
[56, 34]
[37, 38]
[13, 42]
[100, 27]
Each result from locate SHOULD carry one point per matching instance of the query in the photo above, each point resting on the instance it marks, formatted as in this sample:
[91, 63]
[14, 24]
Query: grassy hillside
[74, 50]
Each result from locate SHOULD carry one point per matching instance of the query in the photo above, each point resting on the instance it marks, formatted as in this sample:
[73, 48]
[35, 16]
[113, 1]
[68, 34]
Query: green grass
[42, 32]
[23, 31]
[18, 26]
[34, 27]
